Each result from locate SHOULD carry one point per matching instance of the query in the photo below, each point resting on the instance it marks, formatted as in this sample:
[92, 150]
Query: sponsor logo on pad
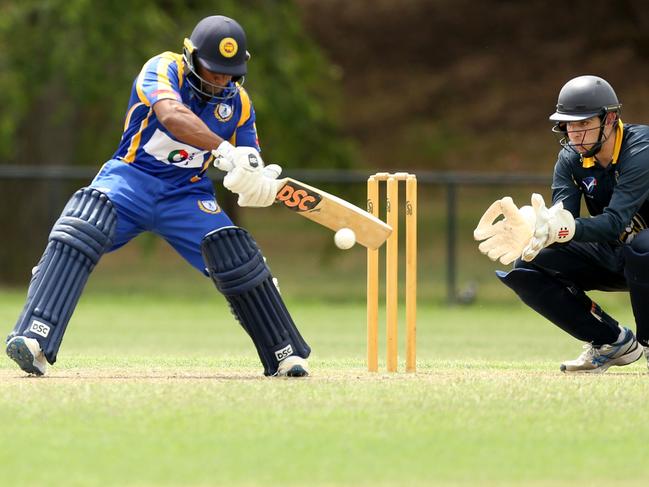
[39, 328]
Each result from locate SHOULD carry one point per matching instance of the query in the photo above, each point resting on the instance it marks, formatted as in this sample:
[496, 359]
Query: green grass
[166, 390]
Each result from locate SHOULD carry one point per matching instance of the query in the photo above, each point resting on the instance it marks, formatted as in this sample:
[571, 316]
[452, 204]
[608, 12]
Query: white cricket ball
[345, 238]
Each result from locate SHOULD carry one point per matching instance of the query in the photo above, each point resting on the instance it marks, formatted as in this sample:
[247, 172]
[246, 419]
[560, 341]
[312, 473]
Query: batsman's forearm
[185, 126]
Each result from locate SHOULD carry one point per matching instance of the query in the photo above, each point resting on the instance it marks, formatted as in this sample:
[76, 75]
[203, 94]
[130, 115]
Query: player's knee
[636, 258]
[520, 278]
[233, 260]
[87, 223]
[640, 244]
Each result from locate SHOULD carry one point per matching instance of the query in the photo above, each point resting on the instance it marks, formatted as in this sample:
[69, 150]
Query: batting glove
[227, 157]
[255, 188]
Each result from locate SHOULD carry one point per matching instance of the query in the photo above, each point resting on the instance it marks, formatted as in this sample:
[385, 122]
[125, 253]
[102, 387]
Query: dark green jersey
[615, 196]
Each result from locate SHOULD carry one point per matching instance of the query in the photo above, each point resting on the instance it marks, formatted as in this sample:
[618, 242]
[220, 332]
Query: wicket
[392, 273]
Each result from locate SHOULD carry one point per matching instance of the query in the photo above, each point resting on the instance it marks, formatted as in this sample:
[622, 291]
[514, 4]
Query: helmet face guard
[580, 99]
[209, 92]
[561, 130]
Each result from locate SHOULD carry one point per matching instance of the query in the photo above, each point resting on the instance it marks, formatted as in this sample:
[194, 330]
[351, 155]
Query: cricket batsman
[559, 255]
[186, 111]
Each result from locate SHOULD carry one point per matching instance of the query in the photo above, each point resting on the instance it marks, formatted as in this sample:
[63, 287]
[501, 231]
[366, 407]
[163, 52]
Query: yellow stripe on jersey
[164, 60]
[181, 69]
[245, 106]
[587, 162]
[162, 72]
[205, 167]
[140, 79]
[135, 140]
[245, 112]
[127, 121]
[618, 141]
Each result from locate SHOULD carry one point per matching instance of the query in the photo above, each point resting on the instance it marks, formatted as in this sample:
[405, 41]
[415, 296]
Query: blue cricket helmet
[218, 44]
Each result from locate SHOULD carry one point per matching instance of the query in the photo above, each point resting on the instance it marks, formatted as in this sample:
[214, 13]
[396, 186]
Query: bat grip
[223, 164]
[272, 171]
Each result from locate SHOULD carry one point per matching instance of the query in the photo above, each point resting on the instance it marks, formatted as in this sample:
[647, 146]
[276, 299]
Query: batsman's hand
[255, 188]
[552, 225]
[505, 239]
[227, 157]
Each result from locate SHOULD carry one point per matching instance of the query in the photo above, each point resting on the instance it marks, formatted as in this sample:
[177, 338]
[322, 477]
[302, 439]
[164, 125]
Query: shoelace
[590, 352]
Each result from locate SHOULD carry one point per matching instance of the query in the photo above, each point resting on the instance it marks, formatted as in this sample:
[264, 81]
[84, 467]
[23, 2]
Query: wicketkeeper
[557, 254]
[186, 111]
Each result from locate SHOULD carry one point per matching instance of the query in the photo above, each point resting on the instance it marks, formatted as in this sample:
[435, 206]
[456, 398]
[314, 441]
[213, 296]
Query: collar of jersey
[587, 162]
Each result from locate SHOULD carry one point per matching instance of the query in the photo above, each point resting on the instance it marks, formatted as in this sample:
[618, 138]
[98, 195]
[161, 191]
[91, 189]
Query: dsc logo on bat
[298, 198]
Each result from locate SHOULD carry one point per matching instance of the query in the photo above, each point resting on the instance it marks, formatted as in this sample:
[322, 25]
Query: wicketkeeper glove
[506, 239]
[552, 225]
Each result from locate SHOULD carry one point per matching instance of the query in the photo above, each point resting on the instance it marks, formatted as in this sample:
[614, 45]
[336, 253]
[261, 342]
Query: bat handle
[223, 164]
[272, 171]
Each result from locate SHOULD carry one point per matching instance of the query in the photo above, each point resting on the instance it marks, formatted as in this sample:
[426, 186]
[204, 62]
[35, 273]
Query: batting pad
[78, 239]
[237, 267]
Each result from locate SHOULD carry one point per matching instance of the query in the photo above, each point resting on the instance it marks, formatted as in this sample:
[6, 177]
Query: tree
[66, 69]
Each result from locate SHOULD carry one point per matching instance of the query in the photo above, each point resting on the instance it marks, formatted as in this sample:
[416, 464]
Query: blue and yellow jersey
[147, 145]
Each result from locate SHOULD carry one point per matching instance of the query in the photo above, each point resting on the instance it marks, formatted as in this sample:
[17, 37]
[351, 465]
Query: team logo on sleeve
[209, 206]
[228, 47]
[223, 112]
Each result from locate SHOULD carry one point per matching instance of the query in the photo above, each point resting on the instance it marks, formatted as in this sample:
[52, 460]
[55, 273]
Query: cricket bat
[326, 209]
[332, 212]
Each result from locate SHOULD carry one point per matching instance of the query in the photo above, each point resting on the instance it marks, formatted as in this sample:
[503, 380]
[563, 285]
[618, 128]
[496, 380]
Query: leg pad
[78, 239]
[237, 268]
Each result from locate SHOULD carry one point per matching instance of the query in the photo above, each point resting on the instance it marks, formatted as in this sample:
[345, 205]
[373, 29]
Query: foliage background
[66, 73]
[371, 85]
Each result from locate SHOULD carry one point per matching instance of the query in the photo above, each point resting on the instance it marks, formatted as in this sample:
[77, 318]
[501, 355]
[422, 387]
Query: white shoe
[27, 353]
[646, 354]
[598, 359]
[293, 366]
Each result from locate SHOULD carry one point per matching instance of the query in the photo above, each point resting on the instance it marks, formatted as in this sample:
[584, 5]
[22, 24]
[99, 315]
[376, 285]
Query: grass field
[151, 391]
[157, 386]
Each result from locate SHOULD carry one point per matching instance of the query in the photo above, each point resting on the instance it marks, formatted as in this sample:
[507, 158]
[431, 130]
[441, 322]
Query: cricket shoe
[598, 359]
[646, 354]
[27, 353]
[293, 366]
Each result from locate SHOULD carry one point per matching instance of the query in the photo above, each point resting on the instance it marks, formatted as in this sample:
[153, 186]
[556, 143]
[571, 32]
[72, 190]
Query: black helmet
[582, 98]
[218, 44]
[585, 97]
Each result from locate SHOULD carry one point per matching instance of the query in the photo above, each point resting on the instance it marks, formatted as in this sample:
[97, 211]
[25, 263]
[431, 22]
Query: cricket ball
[345, 238]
